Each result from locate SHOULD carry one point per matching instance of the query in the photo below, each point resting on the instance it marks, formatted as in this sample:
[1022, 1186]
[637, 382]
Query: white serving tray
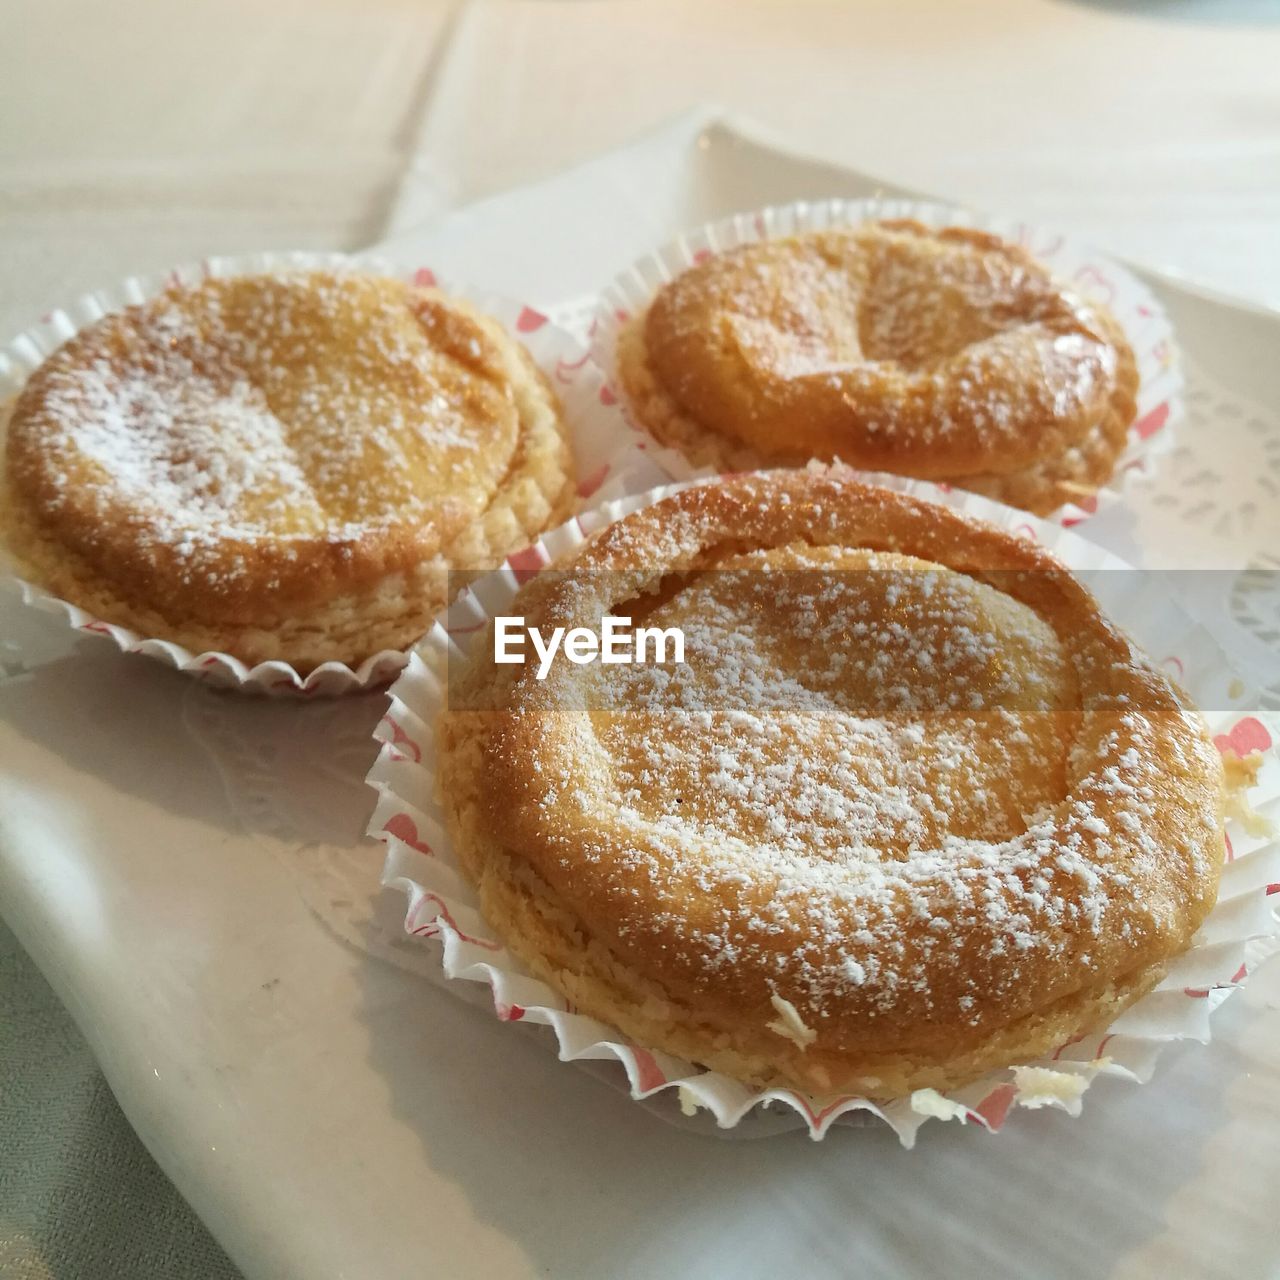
[209, 915]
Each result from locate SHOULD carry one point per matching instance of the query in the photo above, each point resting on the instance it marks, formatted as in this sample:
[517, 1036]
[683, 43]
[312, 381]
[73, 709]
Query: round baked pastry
[281, 466]
[948, 355]
[910, 810]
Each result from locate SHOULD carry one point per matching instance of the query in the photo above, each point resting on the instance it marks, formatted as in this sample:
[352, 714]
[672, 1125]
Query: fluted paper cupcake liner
[1083, 269]
[1240, 932]
[610, 457]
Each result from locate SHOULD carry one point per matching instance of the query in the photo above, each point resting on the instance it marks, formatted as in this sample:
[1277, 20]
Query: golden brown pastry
[947, 355]
[911, 809]
[281, 466]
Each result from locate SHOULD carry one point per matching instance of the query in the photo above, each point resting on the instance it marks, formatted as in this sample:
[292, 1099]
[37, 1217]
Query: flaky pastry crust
[948, 355]
[912, 810]
[281, 466]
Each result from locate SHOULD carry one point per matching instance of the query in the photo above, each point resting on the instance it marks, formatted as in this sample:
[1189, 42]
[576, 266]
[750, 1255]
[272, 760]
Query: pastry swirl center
[840, 705]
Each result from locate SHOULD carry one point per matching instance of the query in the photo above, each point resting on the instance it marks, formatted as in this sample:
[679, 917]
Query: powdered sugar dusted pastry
[281, 466]
[910, 810]
[947, 355]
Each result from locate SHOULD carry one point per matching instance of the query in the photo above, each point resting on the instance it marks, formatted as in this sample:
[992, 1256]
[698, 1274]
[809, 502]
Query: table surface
[142, 134]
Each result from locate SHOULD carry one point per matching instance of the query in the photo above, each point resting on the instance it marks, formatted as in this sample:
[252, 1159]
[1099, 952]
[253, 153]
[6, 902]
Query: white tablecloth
[1150, 128]
[143, 133]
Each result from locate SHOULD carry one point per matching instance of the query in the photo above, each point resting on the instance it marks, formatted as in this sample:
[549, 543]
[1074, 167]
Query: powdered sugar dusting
[267, 410]
[860, 740]
[884, 332]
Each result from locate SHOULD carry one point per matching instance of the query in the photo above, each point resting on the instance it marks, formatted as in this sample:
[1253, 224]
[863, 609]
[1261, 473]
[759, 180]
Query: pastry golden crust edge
[539, 926]
[536, 495]
[1042, 488]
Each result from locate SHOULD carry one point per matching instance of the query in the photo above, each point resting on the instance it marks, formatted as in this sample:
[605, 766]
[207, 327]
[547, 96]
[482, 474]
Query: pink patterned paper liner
[1239, 934]
[1090, 273]
[611, 457]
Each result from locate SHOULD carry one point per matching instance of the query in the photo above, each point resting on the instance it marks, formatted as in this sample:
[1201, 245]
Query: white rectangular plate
[215, 926]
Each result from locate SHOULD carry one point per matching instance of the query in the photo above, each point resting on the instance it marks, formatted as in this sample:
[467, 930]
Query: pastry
[281, 466]
[911, 809]
[947, 355]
